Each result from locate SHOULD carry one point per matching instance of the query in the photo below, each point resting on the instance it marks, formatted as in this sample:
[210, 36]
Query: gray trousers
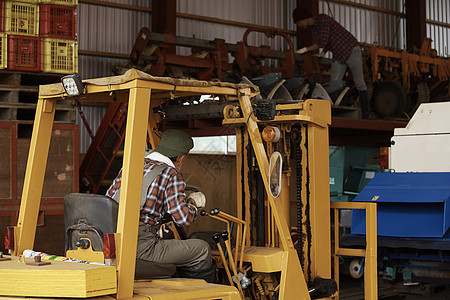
[191, 253]
[338, 69]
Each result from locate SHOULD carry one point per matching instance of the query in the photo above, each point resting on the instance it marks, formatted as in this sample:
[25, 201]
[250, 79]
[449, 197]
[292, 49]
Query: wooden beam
[415, 23]
[231, 23]
[369, 7]
[103, 54]
[305, 37]
[386, 11]
[117, 5]
[164, 17]
[438, 23]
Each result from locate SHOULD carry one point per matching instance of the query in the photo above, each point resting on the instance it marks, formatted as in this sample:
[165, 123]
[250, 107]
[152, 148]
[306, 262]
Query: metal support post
[133, 165]
[34, 175]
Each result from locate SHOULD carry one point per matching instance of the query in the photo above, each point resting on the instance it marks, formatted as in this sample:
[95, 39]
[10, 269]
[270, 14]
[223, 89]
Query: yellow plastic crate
[60, 56]
[60, 2]
[3, 50]
[21, 18]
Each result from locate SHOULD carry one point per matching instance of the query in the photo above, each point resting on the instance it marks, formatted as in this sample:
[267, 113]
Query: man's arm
[115, 185]
[183, 213]
[323, 30]
[307, 49]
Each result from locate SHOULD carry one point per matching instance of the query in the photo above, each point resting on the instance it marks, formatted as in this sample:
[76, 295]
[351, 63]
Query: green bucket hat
[174, 143]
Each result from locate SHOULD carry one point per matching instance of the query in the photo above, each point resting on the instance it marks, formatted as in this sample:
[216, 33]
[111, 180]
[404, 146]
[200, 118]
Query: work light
[73, 85]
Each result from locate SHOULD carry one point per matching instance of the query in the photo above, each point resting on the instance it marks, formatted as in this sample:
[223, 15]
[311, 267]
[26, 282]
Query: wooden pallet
[19, 93]
[24, 113]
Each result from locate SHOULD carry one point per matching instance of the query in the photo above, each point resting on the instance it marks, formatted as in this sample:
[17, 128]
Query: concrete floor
[354, 289]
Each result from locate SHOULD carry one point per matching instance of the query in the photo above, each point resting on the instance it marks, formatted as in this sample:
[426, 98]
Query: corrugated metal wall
[273, 13]
[105, 29]
[108, 29]
[385, 29]
[439, 10]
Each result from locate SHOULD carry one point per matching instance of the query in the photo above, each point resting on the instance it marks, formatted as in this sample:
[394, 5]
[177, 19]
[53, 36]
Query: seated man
[165, 197]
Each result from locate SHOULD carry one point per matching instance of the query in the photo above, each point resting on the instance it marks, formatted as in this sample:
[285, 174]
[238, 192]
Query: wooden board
[184, 288]
[59, 174]
[59, 279]
[215, 176]
[61, 179]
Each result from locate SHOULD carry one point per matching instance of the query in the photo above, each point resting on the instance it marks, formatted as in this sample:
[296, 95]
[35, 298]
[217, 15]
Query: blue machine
[413, 221]
[412, 205]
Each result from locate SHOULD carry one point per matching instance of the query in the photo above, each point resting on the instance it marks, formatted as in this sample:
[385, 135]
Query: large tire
[420, 95]
[389, 99]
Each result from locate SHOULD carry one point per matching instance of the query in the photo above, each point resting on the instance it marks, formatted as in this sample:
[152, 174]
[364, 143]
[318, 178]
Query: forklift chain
[296, 138]
[242, 172]
[307, 208]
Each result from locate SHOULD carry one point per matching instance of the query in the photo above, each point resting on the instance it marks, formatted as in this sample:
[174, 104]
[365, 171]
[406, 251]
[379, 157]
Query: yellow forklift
[272, 131]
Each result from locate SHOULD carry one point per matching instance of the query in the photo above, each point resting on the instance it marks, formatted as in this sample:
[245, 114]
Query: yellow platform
[59, 279]
[184, 288]
[264, 259]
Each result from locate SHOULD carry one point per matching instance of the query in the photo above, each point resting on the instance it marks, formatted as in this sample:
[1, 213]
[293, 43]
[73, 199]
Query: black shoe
[364, 104]
[209, 275]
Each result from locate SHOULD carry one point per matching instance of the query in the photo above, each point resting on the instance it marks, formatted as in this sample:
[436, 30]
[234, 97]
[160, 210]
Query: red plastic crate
[58, 21]
[24, 53]
[60, 2]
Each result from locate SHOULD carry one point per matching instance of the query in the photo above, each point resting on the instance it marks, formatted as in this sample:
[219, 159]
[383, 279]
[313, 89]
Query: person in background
[331, 36]
[164, 197]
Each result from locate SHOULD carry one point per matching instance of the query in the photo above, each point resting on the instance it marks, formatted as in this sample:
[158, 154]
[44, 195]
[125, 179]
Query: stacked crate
[40, 36]
[21, 25]
[58, 28]
[37, 44]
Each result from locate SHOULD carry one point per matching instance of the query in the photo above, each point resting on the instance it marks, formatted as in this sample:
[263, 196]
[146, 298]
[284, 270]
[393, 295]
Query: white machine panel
[424, 144]
[420, 153]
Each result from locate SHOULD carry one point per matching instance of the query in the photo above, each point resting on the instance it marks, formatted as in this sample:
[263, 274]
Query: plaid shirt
[165, 195]
[333, 37]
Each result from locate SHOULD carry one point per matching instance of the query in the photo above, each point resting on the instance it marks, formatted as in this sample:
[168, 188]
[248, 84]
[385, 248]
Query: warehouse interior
[370, 221]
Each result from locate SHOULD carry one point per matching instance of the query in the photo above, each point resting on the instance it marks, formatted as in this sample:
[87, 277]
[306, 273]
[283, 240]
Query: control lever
[216, 238]
[204, 213]
[242, 229]
[230, 257]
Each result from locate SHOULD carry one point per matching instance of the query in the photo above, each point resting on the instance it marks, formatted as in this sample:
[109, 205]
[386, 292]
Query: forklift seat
[90, 216]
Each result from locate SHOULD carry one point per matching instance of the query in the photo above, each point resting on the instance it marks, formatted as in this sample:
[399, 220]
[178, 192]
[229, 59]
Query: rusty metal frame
[406, 65]
[112, 125]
